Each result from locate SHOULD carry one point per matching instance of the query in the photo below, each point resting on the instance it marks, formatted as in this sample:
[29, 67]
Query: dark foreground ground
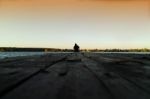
[76, 76]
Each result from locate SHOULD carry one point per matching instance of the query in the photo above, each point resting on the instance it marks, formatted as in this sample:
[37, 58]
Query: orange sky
[115, 19]
[71, 3]
[116, 6]
[49, 7]
[45, 9]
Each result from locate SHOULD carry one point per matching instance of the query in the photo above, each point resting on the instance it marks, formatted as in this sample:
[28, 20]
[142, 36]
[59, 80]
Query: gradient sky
[60, 23]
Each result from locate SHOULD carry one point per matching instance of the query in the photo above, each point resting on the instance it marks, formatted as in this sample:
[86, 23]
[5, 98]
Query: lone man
[76, 48]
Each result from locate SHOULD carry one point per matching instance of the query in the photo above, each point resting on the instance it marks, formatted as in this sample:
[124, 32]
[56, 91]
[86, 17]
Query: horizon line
[80, 49]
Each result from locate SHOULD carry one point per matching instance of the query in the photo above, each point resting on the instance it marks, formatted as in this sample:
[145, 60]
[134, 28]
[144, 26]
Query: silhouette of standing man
[76, 48]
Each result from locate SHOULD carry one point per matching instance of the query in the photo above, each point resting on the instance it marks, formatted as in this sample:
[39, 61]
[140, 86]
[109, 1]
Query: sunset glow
[60, 23]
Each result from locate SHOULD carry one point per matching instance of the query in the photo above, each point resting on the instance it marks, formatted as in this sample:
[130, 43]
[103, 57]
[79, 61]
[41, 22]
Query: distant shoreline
[15, 49]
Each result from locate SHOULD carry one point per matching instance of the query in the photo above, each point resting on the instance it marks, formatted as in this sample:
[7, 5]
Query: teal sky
[100, 26]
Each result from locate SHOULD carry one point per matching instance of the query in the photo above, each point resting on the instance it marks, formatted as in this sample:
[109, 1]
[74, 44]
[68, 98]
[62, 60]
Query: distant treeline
[118, 50]
[13, 49]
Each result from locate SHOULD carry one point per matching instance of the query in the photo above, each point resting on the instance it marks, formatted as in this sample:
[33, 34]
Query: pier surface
[76, 76]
